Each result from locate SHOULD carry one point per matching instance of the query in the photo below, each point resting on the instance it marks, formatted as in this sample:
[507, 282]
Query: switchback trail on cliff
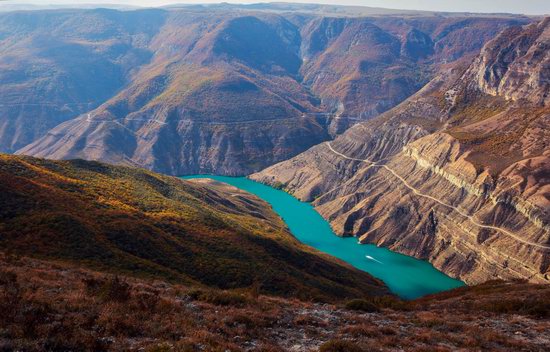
[420, 194]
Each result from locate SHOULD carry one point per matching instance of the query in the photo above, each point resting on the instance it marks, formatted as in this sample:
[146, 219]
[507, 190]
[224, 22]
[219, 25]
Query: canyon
[122, 226]
[439, 151]
[134, 222]
[458, 174]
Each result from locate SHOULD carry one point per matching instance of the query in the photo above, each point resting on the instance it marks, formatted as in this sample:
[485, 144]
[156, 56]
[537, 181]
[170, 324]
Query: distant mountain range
[199, 91]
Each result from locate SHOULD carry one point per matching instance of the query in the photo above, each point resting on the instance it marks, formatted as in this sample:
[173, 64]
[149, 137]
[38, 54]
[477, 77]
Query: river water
[406, 276]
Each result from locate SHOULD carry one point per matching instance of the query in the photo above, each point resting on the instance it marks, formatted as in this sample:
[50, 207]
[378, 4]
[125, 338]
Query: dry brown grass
[54, 306]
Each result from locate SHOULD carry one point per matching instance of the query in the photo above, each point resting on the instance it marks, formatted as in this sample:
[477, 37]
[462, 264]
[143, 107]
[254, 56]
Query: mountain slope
[362, 67]
[220, 95]
[133, 221]
[56, 65]
[458, 174]
[231, 92]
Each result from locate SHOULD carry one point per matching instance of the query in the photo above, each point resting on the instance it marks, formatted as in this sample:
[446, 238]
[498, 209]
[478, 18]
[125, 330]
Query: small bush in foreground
[219, 298]
[362, 305]
[113, 289]
[10, 294]
[340, 346]
[390, 302]
[539, 308]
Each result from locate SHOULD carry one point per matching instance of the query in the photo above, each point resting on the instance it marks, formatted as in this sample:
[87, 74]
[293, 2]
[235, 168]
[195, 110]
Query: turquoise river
[405, 276]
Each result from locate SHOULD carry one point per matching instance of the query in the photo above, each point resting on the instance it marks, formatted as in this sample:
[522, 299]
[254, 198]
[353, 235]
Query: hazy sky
[538, 7]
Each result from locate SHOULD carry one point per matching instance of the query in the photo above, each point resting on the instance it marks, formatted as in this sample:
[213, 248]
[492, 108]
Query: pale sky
[533, 7]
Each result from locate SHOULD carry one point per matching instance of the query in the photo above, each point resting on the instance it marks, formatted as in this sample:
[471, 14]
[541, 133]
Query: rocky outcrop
[516, 65]
[468, 190]
[362, 67]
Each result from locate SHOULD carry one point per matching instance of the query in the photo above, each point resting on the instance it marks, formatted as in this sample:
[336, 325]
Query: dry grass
[54, 306]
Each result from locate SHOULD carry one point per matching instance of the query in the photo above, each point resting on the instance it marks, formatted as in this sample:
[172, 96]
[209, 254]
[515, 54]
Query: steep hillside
[50, 306]
[221, 95]
[132, 221]
[459, 174]
[226, 91]
[361, 67]
[57, 65]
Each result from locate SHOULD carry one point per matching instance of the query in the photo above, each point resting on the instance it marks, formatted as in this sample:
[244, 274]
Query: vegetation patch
[219, 298]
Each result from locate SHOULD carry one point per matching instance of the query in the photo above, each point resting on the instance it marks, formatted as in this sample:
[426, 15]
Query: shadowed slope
[133, 221]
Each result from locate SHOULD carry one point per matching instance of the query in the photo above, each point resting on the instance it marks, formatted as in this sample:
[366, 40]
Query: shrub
[340, 346]
[147, 301]
[163, 347]
[362, 305]
[219, 298]
[539, 308]
[10, 295]
[31, 316]
[362, 330]
[391, 302]
[92, 285]
[114, 289]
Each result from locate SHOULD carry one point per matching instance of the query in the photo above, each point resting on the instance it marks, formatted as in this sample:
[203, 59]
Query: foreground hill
[133, 221]
[50, 306]
[458, 174]
[212, 90]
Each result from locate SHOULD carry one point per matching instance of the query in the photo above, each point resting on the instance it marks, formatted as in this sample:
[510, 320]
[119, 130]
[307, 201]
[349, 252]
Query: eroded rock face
[459, 174]
[362, 67]
[517, 64]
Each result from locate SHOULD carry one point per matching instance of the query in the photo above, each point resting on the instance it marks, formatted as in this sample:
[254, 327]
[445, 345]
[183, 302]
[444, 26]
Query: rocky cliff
[213, 90]
[459, 174]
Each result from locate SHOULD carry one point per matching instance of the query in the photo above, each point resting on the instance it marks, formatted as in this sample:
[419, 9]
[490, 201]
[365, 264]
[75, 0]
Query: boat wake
[374, 260]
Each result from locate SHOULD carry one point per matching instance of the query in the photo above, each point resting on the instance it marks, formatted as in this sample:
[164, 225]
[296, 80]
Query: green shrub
[163, 347]
[390, 302]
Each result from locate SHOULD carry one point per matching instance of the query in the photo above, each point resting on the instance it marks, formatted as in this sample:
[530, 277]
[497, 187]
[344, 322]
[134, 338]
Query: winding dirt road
[420, 194]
